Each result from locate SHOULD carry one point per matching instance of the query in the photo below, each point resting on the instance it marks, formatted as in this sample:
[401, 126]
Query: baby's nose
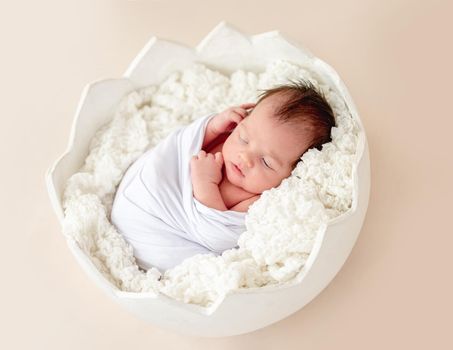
[246, 160]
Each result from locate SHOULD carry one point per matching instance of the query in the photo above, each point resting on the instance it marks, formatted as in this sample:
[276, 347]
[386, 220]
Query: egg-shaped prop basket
[226, 50]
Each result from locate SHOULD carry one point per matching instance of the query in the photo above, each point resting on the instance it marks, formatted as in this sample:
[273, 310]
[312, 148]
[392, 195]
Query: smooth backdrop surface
[394, 292]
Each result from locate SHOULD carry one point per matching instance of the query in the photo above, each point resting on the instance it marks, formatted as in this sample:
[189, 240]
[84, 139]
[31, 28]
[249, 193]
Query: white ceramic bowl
[226, 50]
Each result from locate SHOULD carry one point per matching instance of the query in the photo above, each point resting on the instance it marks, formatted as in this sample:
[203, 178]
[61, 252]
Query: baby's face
[262, 148]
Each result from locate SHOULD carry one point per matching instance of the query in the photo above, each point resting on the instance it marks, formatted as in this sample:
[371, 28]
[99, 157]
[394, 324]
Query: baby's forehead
[281, 137]
[274, 122]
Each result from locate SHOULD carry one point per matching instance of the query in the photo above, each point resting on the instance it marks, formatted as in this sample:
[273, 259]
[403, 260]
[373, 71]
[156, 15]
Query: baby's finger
[242, 112]
[237, 117]
[193, 160]
[201, 154]
[234, 120]
[248, 105]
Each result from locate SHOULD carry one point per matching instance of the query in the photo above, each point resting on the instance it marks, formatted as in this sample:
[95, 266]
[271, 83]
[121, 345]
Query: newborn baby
[189, 195]
[245, 154]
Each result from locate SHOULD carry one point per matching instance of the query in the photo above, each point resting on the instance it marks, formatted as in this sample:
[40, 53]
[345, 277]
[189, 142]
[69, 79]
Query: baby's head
[267, 145]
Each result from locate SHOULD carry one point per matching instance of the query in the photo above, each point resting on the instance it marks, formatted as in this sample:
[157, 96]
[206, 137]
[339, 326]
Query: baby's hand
[206, 168]
[228, 119]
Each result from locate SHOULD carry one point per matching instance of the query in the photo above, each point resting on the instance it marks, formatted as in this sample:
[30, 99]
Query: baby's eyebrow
[272, 154]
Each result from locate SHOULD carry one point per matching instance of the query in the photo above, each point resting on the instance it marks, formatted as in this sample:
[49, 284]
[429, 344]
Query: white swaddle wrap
[154, 208]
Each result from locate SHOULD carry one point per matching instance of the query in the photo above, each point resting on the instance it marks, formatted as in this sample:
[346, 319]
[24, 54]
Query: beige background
[394, 292]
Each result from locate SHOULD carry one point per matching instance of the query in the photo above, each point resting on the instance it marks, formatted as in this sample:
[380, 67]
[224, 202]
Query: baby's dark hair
[304, 105]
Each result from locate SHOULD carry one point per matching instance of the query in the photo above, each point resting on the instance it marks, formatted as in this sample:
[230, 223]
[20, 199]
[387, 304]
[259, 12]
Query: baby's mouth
[238, 169]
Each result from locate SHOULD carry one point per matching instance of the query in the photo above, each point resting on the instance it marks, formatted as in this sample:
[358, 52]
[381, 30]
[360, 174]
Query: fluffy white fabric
[281, 227]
